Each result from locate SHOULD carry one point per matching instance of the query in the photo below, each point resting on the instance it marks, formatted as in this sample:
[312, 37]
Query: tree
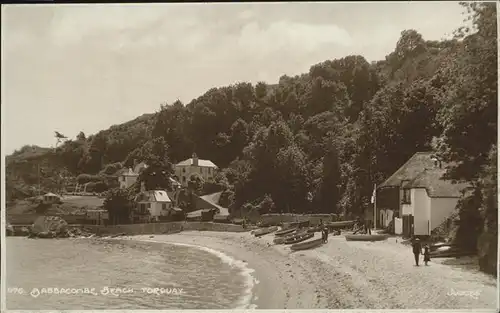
[118, 205]
[195, 183]
[159, 169]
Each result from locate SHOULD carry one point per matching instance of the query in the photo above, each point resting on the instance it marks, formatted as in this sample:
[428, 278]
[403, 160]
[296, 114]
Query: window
[164, 206]
[406, 196]
[183, 179]
[184, 170]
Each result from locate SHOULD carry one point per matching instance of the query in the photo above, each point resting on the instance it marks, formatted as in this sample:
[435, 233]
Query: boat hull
[285, 232]
[340, 224]
[298, 238]
[307, 244]
[265, 231]
[282, 239]
[374, 237]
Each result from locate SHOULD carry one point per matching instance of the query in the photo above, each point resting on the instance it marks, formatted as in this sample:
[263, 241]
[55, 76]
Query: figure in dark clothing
[326, 234]
[427, 254]
[417, 249]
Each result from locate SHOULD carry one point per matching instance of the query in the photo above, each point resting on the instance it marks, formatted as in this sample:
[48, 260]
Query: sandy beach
[347, 275]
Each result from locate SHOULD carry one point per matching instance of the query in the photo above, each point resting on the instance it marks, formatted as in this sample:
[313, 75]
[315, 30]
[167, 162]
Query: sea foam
[246, 300]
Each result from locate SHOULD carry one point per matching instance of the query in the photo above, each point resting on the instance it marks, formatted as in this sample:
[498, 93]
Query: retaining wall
[164, 228]
[314, 219]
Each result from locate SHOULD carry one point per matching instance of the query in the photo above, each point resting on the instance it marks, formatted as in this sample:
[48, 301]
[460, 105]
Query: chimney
[195, 159]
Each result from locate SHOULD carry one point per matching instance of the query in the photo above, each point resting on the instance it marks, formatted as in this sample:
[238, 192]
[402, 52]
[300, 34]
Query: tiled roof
[408, 171]
[436, 186]
[202, 163]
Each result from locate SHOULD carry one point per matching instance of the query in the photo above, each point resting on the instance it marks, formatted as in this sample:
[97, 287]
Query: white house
[128, 177]
[425, 199]
[184, 169]
[155, 202]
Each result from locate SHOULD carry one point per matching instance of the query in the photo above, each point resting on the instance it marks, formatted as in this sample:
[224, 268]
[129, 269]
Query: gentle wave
[250, 281]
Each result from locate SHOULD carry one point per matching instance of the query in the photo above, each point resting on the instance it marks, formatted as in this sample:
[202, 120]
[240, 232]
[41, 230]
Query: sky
[85, 67]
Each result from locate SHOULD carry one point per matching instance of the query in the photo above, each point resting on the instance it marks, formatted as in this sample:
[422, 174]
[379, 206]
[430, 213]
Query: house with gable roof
[153, 206]
[205, 168]
[418, 197]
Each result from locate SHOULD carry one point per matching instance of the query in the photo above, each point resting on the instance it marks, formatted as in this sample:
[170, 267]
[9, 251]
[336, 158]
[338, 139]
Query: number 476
[15, 290]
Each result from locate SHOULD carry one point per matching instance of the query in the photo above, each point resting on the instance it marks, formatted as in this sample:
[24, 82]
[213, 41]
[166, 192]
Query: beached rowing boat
[265, 231]
[284, 232]
[374, 237]
[340, 224]
[299, 238]
[308, 244]
[296, 233]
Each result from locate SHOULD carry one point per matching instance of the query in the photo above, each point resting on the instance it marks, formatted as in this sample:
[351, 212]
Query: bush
[86, 178]
[112, 168]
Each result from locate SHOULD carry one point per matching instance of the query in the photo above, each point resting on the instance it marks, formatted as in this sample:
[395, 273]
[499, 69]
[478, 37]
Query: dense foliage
[318, 141]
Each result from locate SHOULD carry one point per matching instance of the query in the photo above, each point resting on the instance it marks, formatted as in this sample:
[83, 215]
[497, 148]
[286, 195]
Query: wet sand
[347, 275]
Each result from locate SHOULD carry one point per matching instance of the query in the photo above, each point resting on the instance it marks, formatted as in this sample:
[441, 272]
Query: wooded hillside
[331, 132]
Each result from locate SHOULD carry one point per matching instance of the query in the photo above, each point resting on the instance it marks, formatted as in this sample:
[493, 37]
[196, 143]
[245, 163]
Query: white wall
[398, 226]
[407, 209]
[127, 181]
[385, 217]
[421, 208]
[156, 209]
[441, 209]
[206, 172]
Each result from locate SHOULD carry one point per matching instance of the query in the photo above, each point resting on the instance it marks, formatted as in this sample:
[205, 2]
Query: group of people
[417, 250]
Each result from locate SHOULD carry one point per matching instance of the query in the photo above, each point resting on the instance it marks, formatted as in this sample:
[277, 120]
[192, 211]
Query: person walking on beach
[326, 234]
[427, 254]
[417, 249]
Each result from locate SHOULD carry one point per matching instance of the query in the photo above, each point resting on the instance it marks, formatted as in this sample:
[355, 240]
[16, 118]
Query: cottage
[127, 178]
[184, 169]
[51, 198]
[424, 199]
[153, 205]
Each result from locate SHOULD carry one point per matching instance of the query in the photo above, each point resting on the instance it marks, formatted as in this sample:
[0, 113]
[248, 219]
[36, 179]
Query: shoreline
[343, 275]
[270, 289]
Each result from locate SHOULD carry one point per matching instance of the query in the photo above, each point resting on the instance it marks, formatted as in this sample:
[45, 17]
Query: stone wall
[164, 228]
[314, 219]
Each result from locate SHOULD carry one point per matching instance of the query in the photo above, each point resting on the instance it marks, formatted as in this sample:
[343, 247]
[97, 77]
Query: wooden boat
[299, 238]
[281, 239]
[284, 232]
[340, 224]
[374, 237]
[265, 231]
[308, 244]
[451, 254]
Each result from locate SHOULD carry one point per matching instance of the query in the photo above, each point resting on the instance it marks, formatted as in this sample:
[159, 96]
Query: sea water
[64, 274]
